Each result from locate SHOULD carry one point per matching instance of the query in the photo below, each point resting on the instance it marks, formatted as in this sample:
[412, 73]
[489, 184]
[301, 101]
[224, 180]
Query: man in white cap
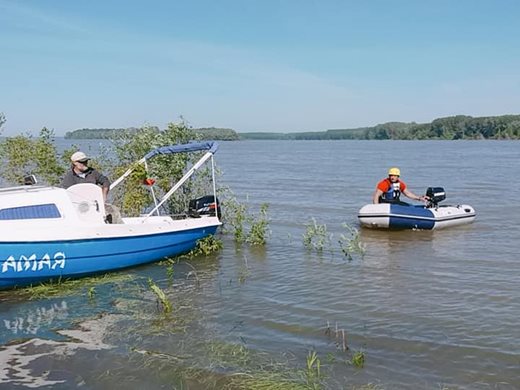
[80, 172]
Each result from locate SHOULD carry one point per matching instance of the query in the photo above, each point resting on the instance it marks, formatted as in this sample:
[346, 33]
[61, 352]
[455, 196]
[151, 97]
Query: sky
[264, 65]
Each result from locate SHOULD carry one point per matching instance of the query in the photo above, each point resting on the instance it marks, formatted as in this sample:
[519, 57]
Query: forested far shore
[448, 128]
[206, 133]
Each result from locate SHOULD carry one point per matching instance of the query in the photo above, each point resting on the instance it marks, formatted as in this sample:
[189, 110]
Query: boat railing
[210, 146]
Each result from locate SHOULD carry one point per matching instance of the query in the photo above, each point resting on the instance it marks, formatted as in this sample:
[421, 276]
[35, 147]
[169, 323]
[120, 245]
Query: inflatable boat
[425, 217]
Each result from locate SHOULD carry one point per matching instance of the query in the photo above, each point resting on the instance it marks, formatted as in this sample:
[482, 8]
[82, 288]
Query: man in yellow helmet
[389, 189]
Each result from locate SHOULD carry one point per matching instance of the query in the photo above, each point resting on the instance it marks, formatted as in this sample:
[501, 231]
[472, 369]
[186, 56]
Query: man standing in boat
[80, 172]
[389, 189]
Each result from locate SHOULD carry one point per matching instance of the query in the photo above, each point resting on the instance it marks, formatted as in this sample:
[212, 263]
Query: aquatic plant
[91, 293]
[316, 236]
[245, 226]
[170, 271]
[204, 247]
[235, 217]
[207, 246]
[259, 231]
[161, 297]
[350, 243]
[243, 272]
[313, 370]
[339, 336]
[358, 359]
[193, 272]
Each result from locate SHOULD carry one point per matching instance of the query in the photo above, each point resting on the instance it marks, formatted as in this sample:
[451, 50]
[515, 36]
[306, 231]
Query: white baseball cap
[79, 156]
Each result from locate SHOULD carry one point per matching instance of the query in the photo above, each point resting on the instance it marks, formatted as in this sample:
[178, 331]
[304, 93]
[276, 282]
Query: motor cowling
[436, 195]
[205, 205]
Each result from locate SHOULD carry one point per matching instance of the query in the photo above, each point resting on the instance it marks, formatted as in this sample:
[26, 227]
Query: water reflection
[383, 246]
[31, 322]
[31, 363]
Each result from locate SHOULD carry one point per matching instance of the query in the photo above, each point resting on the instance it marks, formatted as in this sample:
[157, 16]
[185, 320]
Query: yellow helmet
[394, 171]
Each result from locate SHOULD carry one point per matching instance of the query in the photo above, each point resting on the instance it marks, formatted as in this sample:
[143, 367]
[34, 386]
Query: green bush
[24, 155]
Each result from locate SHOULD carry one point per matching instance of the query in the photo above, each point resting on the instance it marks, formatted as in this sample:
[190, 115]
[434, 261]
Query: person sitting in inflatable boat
[389, 189]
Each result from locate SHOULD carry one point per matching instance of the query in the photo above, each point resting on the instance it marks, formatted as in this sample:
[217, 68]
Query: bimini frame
[211, 148]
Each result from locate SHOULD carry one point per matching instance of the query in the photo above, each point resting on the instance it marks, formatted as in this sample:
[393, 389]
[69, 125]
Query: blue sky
[265, 65]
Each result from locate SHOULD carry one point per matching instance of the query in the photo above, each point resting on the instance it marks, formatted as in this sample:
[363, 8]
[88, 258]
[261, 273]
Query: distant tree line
[217, 133]
[449, 128]
[213, 133]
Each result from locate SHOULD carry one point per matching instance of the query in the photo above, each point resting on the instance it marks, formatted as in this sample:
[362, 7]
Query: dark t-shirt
[90, 176]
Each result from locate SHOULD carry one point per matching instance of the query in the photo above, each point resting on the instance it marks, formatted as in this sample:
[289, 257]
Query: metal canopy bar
[182, 181]
[210, 146]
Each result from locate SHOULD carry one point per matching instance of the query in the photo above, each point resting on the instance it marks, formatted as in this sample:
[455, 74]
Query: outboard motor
[436, 195]
[29, 180]
[205, 205]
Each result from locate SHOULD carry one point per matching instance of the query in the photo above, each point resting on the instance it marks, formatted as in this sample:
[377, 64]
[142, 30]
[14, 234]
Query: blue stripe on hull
[29, 263]
[411, 217]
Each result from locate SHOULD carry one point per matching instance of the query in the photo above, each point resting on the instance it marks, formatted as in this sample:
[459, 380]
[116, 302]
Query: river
[427, 310]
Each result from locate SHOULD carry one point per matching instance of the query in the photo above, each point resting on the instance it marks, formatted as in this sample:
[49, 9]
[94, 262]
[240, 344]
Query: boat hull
[26, 263]
[395, 216]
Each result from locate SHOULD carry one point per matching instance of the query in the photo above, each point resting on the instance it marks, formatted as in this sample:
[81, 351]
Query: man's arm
[104, 183]
[104, 190]
[411, 195]
[377, 195]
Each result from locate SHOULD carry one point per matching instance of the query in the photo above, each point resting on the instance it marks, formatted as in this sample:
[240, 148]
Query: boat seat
[87, 199]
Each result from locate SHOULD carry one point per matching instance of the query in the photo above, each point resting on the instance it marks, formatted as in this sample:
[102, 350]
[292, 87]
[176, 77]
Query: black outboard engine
[29, 180]
[205, 205]
[436, 195]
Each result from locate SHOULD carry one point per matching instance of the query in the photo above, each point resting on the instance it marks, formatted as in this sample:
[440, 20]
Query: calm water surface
[430, 310]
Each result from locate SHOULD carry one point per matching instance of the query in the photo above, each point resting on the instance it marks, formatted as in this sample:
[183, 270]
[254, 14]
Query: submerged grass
[230, 366]
[70, 287]
[184, 354]
[262, 382]
[178, 369]
[233, 366]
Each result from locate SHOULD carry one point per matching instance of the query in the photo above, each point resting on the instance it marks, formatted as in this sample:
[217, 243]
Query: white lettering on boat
[33, 263]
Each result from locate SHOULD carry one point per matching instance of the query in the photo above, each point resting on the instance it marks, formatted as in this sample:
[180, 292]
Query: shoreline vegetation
[460, 127]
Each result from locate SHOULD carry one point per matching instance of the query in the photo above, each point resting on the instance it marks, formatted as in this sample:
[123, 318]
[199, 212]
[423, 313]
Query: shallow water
[428, 309]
